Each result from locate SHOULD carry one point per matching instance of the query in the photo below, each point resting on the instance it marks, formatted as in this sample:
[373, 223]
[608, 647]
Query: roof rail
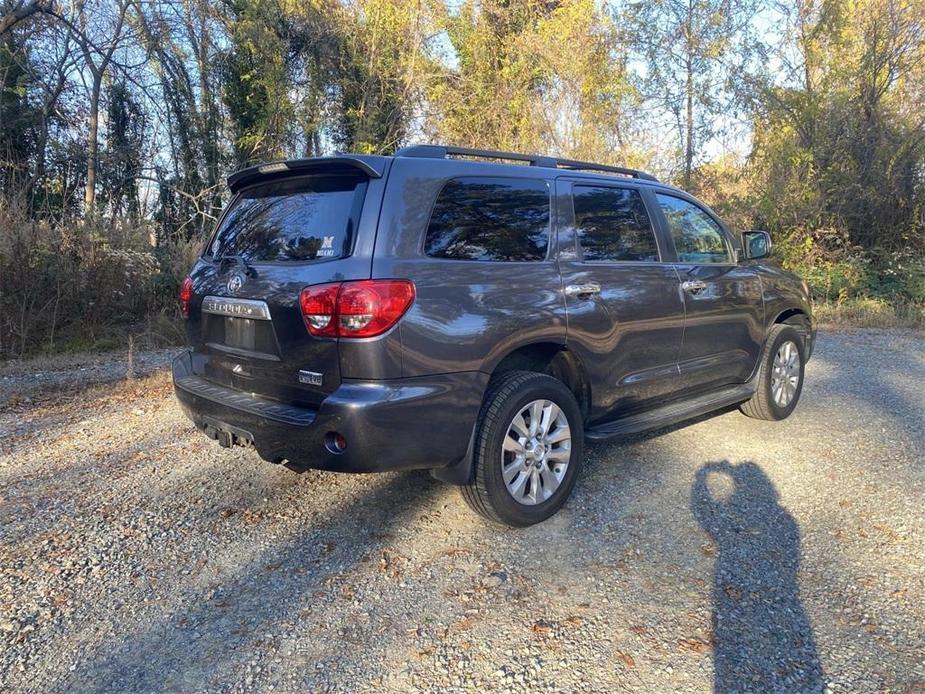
[442, 152]
[574, 164]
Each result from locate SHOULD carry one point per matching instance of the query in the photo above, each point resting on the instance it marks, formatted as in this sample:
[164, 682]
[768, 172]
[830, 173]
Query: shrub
[87, 284]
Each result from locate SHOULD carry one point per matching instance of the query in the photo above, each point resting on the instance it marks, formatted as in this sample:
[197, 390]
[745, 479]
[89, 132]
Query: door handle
[583, 289]
[694, 287]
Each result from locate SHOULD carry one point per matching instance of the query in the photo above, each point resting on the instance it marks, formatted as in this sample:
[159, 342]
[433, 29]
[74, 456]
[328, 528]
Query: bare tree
[20, 10]
[98, 38]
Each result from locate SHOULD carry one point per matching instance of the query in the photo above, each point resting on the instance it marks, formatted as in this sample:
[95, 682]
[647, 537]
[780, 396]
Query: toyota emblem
[235, 283]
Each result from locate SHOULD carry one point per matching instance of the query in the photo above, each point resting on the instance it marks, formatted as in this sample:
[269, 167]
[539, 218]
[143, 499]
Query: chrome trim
[236, 308]
[583, 289]
[694, 287]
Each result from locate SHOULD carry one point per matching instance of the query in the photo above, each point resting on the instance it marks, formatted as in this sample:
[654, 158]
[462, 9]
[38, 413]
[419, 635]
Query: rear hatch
[282, 231]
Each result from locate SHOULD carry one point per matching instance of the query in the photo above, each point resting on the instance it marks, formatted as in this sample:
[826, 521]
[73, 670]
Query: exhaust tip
[335, 442]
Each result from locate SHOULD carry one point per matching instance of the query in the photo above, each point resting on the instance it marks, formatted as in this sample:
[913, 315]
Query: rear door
[723, 331]
[625, 312]
[276, 237]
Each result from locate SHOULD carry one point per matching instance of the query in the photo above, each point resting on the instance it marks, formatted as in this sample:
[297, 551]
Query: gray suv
[479, 314]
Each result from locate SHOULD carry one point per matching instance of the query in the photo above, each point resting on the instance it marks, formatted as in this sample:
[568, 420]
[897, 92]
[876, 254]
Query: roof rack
[442, 152]
[574, 164]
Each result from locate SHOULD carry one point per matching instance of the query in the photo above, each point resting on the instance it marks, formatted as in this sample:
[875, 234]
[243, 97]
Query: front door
[625, 311]
[724, 327]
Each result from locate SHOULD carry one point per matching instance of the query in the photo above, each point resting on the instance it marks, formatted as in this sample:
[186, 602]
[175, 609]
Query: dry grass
[869, 313]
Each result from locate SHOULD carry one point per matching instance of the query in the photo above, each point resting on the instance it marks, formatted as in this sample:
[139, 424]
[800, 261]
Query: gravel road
[136, 555]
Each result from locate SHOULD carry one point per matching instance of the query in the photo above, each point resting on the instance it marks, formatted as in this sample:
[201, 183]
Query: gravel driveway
[136, 555]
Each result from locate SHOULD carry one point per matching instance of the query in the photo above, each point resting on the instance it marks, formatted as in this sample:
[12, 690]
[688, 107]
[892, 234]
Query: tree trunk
[689, 95]
[93, 144]
[689, 144]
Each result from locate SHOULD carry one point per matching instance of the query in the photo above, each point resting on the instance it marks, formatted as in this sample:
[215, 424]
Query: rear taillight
[363, 308]
[186, 295]
[319, 309]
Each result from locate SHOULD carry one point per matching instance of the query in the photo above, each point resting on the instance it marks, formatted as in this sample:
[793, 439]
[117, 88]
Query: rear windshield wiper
[237, 260]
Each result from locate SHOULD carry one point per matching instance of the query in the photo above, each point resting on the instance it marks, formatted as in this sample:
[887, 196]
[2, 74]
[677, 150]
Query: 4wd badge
[311, 378]
[235, 283]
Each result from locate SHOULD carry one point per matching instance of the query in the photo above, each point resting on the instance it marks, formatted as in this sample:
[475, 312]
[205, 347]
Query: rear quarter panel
[467, 314]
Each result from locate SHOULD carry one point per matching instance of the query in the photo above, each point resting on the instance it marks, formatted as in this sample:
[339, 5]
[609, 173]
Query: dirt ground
[137, 555]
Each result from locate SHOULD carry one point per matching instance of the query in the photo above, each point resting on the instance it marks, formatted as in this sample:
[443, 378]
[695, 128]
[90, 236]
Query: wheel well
[554, 360]
[801, 323]
[790, 313]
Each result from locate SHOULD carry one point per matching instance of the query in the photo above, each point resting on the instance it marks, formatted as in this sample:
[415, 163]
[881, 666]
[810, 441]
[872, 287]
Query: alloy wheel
[535, 452]
[785, 374]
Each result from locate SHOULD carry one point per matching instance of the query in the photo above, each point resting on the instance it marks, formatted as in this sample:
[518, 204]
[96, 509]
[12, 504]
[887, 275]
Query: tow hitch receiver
[226, 434]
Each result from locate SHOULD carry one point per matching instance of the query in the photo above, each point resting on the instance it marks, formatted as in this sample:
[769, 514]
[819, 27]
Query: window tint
[490, 219]
[295, 219]
[697, 238]
[613, 224]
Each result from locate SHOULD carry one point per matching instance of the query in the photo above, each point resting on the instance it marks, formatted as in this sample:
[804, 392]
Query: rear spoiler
[372, 166]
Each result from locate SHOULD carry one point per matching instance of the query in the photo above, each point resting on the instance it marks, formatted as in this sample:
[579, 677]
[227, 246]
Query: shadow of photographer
[763, 640]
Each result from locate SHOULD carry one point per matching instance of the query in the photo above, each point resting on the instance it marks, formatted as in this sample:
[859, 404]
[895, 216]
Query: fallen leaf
[693, 645]
[456, 552]
[733, 592]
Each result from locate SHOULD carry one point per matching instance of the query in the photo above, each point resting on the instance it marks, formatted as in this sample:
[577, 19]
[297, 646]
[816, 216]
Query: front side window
[697, 238]
[500, 219]
[612, 224]
[296, 219]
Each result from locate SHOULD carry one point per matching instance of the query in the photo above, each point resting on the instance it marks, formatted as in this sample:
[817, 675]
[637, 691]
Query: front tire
[780, 376]
[528, 449]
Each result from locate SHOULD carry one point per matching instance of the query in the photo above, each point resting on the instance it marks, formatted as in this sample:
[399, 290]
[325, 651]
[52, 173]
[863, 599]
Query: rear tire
[782, 363]
[528, 449]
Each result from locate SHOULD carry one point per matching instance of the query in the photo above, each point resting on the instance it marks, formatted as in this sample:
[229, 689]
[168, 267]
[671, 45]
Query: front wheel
[528, 449]
[780, 376]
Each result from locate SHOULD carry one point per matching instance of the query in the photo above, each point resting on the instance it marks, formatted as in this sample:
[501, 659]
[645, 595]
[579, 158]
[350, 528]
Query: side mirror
[757, 244]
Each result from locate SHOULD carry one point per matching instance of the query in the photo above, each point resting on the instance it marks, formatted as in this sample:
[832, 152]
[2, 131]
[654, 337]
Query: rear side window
[296, 219]
[612, 224]
[501, 219]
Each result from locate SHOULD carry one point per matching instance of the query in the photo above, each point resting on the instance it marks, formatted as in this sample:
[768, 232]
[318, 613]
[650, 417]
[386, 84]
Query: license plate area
[243, 336]
[242, 325]
[241, 333]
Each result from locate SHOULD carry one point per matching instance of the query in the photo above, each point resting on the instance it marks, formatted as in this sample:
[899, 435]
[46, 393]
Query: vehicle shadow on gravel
[199, 641]
[763, 640]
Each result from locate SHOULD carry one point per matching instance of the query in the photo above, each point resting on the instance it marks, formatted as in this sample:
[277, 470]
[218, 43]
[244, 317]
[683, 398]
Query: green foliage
[376, 81]
[16, 114]
[122, 159]
[256, 82]
[487, 98]
[833, 90]
[535, 76]
[835, 171]
[692, 51]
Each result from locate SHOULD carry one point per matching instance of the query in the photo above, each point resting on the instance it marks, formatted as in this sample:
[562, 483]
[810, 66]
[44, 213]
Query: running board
[670, 414]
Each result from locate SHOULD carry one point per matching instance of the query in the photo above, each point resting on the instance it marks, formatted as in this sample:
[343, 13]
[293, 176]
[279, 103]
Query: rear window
[500, 219]
[613, 225]
[298, 219]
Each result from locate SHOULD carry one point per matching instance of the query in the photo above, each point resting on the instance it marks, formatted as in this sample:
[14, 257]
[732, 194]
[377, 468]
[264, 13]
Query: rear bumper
[400, 424]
